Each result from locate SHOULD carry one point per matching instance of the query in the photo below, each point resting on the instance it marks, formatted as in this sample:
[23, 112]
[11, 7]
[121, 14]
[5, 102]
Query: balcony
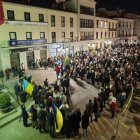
[122, 35]
[31, 23]
[86, 38]
[112, 29]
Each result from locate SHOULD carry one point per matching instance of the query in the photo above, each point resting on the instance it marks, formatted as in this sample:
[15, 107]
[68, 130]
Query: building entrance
[30, 59]
[14, 58]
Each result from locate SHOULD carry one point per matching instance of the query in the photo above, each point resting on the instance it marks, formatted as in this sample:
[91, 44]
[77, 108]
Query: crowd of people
[114, 70]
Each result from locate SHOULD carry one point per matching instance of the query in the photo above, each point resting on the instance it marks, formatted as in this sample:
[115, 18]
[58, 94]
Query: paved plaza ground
[104, 129]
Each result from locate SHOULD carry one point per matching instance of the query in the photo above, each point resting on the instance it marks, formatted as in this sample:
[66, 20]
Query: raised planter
[5, 103]
[7, 109]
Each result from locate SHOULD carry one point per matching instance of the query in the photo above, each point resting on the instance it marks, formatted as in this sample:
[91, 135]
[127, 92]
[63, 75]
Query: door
[30, 58]
[14, 57]
[43, 54]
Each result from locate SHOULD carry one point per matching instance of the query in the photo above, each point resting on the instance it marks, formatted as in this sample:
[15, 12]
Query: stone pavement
[104, 129]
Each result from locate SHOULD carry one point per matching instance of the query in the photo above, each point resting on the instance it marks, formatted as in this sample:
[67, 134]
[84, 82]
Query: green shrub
[5, 101]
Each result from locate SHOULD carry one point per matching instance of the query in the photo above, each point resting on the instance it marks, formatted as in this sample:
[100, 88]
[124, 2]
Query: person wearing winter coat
[96, 108]
[42, 120]
[25, 116]
[33, 113]
[51, 120]
[85, 122]
[112, 103]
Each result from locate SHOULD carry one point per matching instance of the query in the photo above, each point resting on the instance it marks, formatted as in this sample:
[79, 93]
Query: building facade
[137, 29]
[62, 30]
[23, 35]
[33, 33]
[105, 31]
[126, 31]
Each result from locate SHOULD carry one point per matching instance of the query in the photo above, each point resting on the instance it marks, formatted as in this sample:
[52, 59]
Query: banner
[1, 13]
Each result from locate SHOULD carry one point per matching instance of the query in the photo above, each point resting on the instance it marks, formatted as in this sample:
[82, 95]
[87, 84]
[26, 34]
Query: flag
[28, 87]
[1, 13]
[58, 118]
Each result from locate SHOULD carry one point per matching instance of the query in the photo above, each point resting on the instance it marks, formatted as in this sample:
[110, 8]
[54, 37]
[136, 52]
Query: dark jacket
[85, 120]
[51, 118]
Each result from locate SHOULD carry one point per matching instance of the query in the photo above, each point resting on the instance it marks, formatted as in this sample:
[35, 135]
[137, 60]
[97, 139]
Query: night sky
[129, 5]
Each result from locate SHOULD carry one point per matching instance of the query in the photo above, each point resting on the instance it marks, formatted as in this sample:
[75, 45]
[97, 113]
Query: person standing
[25, 116]
[7, 73]
[33, 113]
[112, 106]
[89, 107]
[42, 120]
[57, 70]
[46, 83]
[17, 89]
[96, 108]
[85, 122]
[51, 120]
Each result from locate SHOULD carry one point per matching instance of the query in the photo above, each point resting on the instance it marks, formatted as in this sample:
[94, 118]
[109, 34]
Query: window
[97, 23]
[10, 15]
[28, 35]
[41, 18]
[115, 34]
[101, 35]
[42, 35]
[52, 20]
[105, 34]
[109, 25]
[101, 24]
[86, 10]
[53, 37]
[63, 36]
[108, 34]
[86, 23]
[105, 24]
[71, 35]
[112, 25]
[12, 36]
[62, 21]
[112, 34]
[71, 22]
[96, 35]
[27, 16]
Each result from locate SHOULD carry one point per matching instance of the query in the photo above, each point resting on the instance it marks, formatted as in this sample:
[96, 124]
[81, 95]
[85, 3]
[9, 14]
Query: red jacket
[57, 69]
[113, 106]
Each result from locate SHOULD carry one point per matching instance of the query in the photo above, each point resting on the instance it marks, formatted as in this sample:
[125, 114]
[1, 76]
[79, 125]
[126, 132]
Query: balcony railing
[86, 38]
